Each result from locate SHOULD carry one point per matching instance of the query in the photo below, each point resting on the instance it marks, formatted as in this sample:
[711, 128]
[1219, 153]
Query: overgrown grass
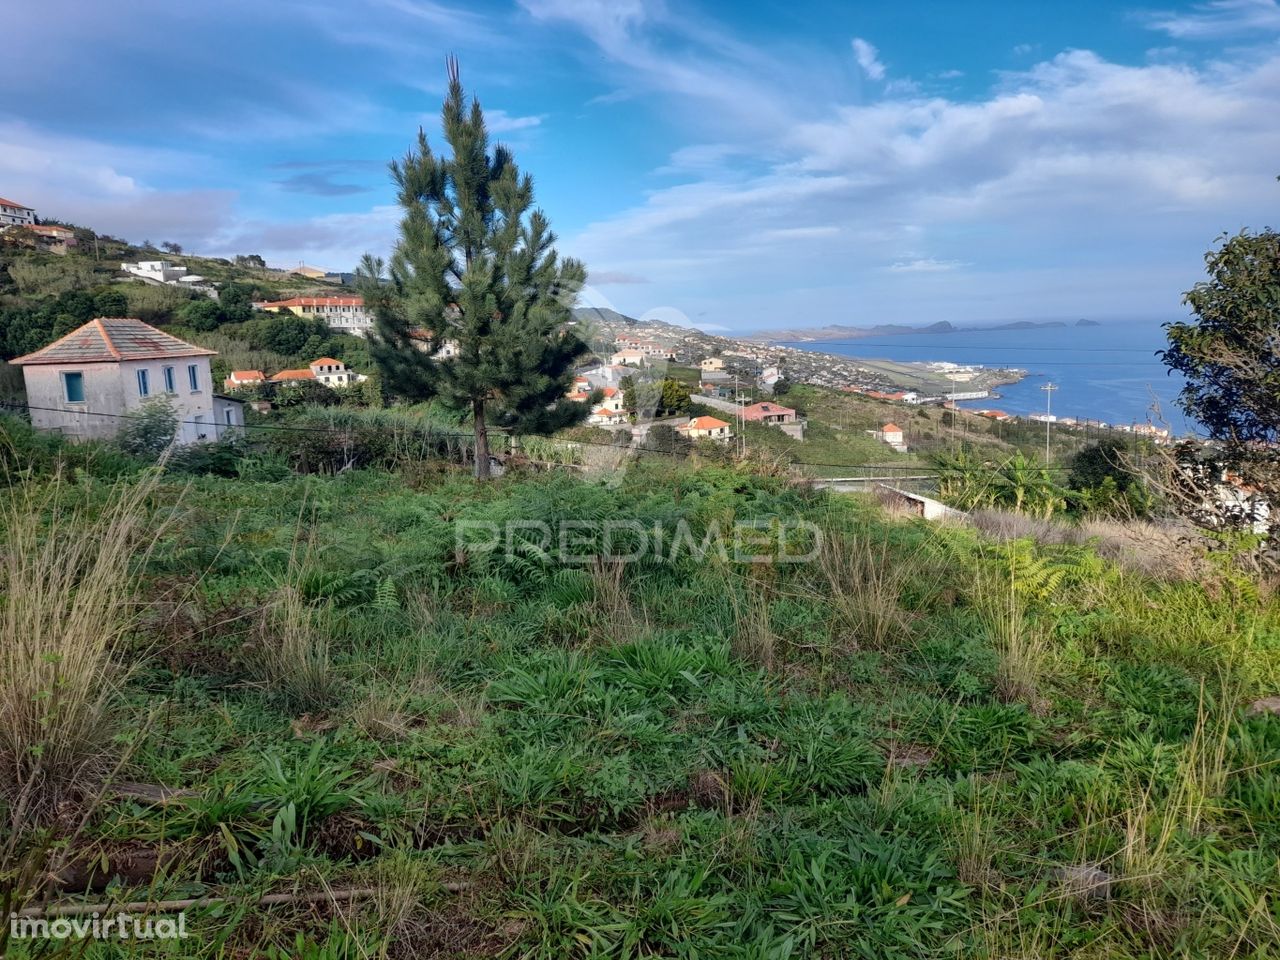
[69, 584]
[899, 748]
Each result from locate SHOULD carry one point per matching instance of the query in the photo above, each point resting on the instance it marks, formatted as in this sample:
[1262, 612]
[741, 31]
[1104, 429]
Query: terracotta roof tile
[112, 339]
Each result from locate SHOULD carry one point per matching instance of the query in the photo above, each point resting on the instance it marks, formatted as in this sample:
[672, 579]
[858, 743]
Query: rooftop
[314, 302]
[704, 423]
[14, 203]
[111, 340]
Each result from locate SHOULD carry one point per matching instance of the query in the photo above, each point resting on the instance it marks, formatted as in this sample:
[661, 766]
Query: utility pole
[1048, 389]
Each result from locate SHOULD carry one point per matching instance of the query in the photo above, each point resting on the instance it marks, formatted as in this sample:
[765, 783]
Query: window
[227, 415]
[73, 387]
[144, 383]
[193, 376]
[200, 433]
[169, 385]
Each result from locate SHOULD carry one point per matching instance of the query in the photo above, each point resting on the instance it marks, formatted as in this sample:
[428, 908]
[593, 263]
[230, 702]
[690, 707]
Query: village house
[326, 370]
[55, 238]
[708, 427]
[656, 350]
[711, 364]
[769, 378]
[605, 417]
[90, 382]
[891, 434]
[998, 415]
[243, 378]
[771, 413]
[14, 214]
[630, 358]
[343, 314]
[612, 399]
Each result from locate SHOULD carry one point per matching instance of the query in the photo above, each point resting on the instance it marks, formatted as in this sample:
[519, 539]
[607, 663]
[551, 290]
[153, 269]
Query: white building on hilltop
[155, 271]
[14, 214]
[92, 381]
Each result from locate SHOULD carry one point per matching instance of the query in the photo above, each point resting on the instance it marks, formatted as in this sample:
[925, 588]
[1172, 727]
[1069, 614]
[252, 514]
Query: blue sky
[738, 165]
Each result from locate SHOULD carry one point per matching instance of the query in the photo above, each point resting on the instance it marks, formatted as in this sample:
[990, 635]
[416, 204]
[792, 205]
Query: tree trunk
[482, 440]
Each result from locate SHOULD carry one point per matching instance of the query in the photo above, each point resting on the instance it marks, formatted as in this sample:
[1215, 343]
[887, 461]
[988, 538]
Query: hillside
[909, 742]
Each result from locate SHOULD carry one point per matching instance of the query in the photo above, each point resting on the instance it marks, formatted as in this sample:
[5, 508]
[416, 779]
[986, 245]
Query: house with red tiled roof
[708, 427]
[326, 370]
[89, 383]
[243, 378]
[605, 417]
[768, 412]
[15, 214]
[344, 314]
[891, 434]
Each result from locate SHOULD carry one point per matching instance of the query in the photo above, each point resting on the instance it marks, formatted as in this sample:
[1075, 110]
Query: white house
[711, 363]
[155, 271]
[630, 358]
[891, 434]
[335, 373]
[89, 383]
[604, 417]
[344, 314]
[243, 378]
[14, 214]
[710, 427]
[326, 370]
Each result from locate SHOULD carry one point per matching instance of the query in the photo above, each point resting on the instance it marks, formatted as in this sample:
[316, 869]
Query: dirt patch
[342, 836]
[709, 790]
[909, 756]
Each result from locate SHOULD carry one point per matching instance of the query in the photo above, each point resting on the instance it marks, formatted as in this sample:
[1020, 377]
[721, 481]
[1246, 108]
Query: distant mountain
[1087, 323]
[842, 331]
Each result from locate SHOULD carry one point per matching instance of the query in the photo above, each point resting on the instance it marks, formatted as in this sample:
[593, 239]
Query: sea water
[1110, 372]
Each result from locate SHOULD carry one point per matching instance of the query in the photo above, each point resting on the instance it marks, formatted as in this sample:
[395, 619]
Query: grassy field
[909, 742]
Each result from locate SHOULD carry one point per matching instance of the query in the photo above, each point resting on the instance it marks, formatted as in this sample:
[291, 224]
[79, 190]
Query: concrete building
[14, 214]
[343, 314]
[155, 271]
[711, 364]
[89, 383]
[55, 238]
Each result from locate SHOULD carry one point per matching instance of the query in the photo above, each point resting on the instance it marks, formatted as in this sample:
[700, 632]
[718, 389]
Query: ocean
[1109, 372]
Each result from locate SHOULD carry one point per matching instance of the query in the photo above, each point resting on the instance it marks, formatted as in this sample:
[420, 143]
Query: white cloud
[1219, 18]
[499, 121]
[1115, 175]
[924, 265]
[868, 59]
[334, 241]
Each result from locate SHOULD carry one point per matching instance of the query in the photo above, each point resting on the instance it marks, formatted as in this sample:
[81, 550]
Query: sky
[733, 165]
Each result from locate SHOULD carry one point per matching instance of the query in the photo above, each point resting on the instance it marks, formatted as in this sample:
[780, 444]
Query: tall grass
[866, 577]
[69, 575]
[1021, 643]
[291, 659]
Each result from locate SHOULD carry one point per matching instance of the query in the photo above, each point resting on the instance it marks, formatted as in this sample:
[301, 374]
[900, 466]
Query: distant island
[837, 331]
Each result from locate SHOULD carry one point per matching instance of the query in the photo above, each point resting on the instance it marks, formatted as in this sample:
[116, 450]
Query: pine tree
[475, 266]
